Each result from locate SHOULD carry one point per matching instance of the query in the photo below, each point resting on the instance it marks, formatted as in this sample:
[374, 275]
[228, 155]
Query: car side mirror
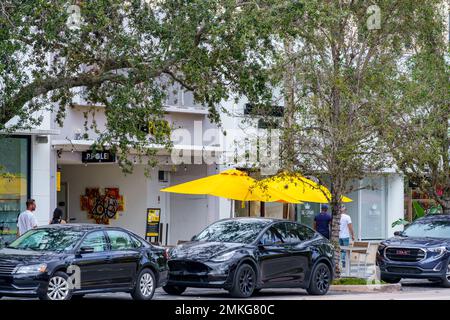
[84, 250]
[193, 238]
[398, 233]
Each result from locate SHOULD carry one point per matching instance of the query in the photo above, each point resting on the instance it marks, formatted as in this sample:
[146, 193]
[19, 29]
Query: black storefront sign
[97, 156]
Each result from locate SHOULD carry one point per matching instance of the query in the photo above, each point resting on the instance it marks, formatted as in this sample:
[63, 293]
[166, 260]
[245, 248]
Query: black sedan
[245, 255]
[62, 261]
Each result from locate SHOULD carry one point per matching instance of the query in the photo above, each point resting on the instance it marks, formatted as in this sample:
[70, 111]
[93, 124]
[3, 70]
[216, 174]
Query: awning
[84, 145]
[31, 132]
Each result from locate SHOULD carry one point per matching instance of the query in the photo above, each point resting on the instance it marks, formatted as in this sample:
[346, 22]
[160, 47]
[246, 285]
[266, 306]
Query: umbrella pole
[231, 208]
[287, 215]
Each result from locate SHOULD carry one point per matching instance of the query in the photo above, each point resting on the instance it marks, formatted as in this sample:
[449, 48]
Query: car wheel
[390, 280]
[320, 280]
[145, 285]
[174, 290]
[446, 280]
[244, 282]
[58, 288]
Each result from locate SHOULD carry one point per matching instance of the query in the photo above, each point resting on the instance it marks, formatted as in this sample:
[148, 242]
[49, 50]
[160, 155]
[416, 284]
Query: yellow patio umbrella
[231, 184]
[300, 188]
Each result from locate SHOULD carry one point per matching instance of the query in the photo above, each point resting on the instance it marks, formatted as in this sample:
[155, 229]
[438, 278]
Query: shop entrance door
[62, 201]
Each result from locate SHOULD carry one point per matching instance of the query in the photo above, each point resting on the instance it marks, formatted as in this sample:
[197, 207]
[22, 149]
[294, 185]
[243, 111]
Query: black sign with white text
[98, 156]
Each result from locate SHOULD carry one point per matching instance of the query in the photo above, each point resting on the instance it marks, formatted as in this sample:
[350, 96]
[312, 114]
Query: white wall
[133, 187]
[396, 202]
[188, 213]
[41, 179]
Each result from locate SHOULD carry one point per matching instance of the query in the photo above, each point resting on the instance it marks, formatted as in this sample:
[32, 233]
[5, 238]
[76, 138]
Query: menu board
[153, 219]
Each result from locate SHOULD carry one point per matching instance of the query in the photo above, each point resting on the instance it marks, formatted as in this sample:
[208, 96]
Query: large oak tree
[117, 54]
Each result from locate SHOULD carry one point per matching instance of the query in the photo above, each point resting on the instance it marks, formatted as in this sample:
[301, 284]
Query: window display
[14, 180]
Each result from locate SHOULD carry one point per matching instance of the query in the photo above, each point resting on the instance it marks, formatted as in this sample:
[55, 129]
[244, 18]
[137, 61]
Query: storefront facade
[181, 216]
[375, 206]
[50, 168]
[83, 182]
[14, 182]
[26, 172]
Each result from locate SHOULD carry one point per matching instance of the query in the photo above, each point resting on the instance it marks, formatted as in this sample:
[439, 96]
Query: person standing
[57, 217]
[27, 219]
[322, 222]
[345, 232]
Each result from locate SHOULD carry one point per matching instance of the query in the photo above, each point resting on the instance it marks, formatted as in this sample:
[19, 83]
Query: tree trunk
[288, 141]
[446, 207]
[335, 228]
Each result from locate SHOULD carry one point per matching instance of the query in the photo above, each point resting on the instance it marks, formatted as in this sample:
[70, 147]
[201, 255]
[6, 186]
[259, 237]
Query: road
[411, 290]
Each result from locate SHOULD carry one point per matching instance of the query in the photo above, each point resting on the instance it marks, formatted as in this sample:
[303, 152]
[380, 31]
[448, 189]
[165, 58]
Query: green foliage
[124, 57]
[416, 127]
[400, 222]
[419, 211]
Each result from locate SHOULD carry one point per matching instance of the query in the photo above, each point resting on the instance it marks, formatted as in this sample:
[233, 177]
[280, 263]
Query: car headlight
[223, 257]
[35, 268]
[438, 251]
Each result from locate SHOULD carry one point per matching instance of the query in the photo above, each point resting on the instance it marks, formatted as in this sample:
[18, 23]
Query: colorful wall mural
[102, 207]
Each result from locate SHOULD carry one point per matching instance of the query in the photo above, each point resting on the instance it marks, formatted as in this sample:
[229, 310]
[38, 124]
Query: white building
[39, 155]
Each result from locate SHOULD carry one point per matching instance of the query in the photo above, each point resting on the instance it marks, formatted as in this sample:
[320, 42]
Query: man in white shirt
[346, 230]
[27, 219]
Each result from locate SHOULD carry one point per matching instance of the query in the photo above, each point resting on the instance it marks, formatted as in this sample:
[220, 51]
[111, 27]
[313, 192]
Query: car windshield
[429, 229]
[238, 231]
[47, 240]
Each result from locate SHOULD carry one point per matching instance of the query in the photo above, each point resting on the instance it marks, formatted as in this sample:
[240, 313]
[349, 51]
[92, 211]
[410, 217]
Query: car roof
[261, 219]
[78, 226]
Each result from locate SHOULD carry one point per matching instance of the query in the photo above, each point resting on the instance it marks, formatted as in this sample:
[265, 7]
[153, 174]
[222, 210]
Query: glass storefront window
[373, 209]
[14, 180]
[306, 213]
[274, 210]
[353, 210]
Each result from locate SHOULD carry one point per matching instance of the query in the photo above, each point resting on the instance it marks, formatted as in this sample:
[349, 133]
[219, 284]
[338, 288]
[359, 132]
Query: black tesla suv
[61, 261]
[422, 251]
[245, 255]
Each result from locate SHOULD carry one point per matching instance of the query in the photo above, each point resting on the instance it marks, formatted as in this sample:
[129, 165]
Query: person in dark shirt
[322, 222]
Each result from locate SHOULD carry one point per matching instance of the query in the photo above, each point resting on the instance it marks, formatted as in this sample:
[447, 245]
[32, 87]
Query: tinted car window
[120, 240]
[294, 234]
[47, 240]
[427, 228]
[95, 240]
[136, 242]
[238, 231]
[272, 237]
[301, 232]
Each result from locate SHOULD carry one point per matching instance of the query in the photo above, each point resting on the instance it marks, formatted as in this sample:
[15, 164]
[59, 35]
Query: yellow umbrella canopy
[231, 184]
[300, 188]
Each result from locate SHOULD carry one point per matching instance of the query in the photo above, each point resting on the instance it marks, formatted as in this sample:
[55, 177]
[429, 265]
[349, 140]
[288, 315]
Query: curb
[367, 288]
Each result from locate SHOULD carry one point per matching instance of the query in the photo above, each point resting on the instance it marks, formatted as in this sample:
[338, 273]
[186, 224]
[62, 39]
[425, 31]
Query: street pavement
[411, 290]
